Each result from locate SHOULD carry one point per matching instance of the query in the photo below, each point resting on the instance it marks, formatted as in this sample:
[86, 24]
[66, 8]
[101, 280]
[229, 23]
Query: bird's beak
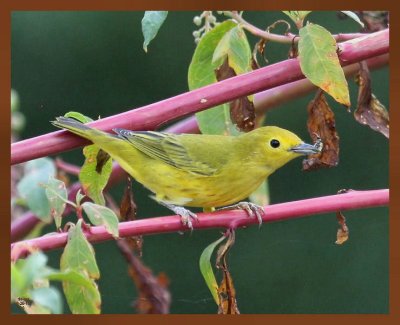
[305, 149]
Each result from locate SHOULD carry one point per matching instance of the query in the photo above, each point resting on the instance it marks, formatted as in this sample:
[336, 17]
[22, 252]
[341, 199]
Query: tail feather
[76, 127]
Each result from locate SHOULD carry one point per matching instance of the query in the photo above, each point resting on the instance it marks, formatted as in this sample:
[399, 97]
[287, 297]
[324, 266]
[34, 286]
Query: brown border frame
[7, 6]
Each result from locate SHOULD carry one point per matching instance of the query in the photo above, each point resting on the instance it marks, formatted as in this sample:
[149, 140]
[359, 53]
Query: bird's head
[277, 146]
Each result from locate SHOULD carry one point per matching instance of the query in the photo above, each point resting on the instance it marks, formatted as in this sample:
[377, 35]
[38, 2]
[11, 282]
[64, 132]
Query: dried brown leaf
[321, 124]
[127, 211]
[242, 109]
[369, 110]
[343, 232]
[259, 47]
[128, 206]
[226, 289]
[154, 296]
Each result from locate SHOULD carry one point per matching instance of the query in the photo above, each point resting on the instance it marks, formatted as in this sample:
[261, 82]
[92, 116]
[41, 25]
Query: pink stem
[67, 167]
[154, 115]
[224, 219]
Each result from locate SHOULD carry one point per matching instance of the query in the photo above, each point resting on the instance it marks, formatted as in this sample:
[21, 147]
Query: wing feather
[167, 148]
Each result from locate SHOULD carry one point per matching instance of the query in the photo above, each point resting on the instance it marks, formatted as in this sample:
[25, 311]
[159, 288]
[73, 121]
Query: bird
[198, 170]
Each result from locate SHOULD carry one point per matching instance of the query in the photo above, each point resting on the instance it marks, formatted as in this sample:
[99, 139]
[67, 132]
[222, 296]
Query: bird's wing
[167, 148]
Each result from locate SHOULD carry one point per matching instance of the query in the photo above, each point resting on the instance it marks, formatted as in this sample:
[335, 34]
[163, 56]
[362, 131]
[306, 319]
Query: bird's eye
[275, 143]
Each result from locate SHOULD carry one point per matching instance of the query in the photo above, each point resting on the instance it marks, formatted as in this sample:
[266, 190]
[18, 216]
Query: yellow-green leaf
[79, 253]
[102, 216]
[297, 17]
[353, 16]
[206, 268]
[151, 23]
[30, 187]
[214, 120]
[82, 296]
[235, 46]
[320, 63]
[82, 299]
[95, 172]
[57, 195]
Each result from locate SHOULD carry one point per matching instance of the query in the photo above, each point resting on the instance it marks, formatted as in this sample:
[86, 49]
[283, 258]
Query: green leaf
[78, 116]
[78, 253]
[72, 276]
[235, 46]
[206, 268]
[95, 172]
[37, 172]
[102, 216]
[297, 17]
[82, 299]
[320, 63]
[79, 197]
[18, 283]
[151, 23]
[214, 120]
[82, 295]
[48, 298]
[261, 195]
[353, 16]
[15, 102]
[25, 272]
[57, 195]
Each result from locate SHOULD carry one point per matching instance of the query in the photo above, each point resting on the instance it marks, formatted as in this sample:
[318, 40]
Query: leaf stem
[222, 219]
[288, 38]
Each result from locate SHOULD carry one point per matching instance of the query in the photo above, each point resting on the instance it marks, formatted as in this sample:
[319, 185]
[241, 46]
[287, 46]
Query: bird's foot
[253, 210]
[185, 214]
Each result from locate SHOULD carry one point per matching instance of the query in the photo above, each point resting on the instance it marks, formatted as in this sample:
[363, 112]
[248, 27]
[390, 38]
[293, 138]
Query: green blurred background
[93, 62]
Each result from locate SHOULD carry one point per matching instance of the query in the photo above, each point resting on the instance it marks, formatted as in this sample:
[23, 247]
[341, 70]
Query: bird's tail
[77, 127]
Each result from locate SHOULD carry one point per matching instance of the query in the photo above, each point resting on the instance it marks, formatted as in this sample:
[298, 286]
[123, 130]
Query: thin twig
[288, 38]
[67, 167]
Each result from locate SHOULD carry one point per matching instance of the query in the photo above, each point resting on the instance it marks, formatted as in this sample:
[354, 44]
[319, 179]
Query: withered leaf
[259, 47]
[343, 231]
[369, 110]
[128, 213]
[226, 290]
[101, 159]
[242, 109]
[128, 205]
[154, 296]
[321, 123]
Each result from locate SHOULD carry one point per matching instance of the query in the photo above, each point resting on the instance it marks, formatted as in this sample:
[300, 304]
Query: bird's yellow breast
[180, 187]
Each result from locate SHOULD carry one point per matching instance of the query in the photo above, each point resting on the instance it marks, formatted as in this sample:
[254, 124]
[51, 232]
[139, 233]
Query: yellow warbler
[195, 170]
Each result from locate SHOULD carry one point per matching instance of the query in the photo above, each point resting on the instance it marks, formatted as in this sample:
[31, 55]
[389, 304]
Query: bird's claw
[186, 216]
[253, 210]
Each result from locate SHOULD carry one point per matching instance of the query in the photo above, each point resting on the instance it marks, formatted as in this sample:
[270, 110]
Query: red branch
[224, 219]
[154, 115]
